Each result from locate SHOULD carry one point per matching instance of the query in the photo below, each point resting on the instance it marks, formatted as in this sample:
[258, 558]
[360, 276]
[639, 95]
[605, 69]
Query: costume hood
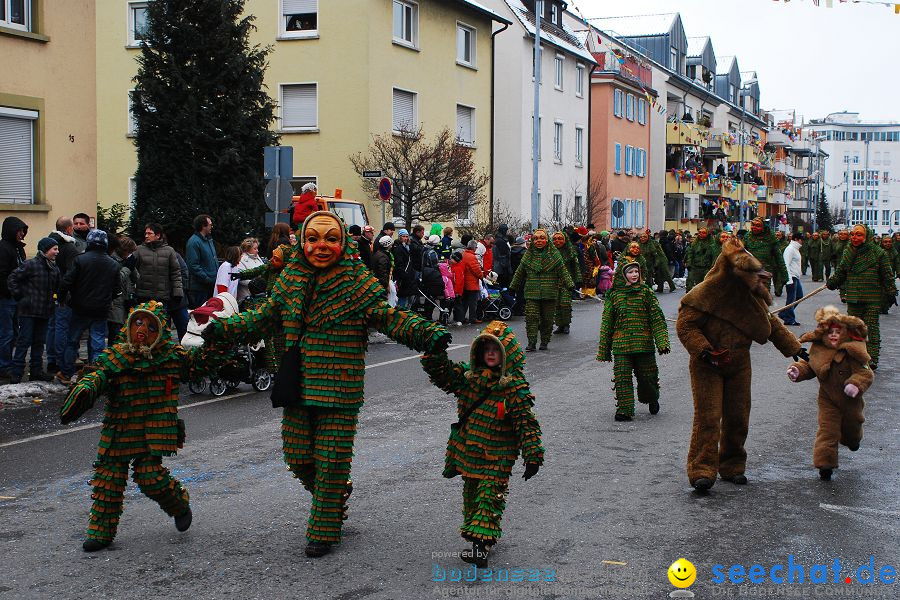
[619, 281]
[513, 359]
[537, 260]
[155, 310]
[856, 331]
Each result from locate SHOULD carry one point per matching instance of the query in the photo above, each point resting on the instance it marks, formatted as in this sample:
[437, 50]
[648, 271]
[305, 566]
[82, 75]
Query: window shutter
[404, 110]
[299, 7]
[300, 106]
[618, 158]
[15, 160]
[464, 124]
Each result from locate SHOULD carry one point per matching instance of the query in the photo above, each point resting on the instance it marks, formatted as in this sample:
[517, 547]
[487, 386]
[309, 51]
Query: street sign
[371, 174]
[273, 217]
[385, 189]
[278, 161]
[278, 194]
[618, 209]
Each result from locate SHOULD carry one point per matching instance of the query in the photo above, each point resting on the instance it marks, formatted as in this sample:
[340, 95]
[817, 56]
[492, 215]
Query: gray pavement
[608, 513]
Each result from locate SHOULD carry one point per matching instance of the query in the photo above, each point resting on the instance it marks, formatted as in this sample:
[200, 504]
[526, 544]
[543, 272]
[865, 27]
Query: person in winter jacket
[224, 281]
[88, 288]
[33, 285]
[382, 262]
[471, 285]
[304, 205]
[81, 227]
[250, 259]
[160, 273]
[58, 326]
[12, 254]
[501, 256]
[792, 260]
[123, 254]
[200, 255]
[404, 268]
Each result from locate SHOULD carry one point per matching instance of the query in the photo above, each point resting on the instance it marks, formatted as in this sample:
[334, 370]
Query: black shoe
[92, 545]
[530, 348]
[14, 379]
[794, 324]
[672, 287]
[543, 346]
[52, 367]
[825, 474]
[183, 521]
[477, 556]
[654, 407]
[621, 417]
[40, 376]
[736, 479]
[853, 448]
[703, 484]
[659, 289]
[317, 549]
[562, 330]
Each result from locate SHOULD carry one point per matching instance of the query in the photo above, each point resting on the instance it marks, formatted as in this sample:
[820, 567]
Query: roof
[723, 64]
[484, 10]
[696, 45]
[560, 36]
[636, 25]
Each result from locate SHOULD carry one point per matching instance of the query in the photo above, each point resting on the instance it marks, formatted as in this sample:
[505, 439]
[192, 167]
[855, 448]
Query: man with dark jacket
[366, 247]
[501, 256]
[158, 269]
[12, 254]
[619, 243]
[58, 327]
[81, 224]
[33, 285]
[417, 244]
[404, 272]
[200, 255]
[88, 288]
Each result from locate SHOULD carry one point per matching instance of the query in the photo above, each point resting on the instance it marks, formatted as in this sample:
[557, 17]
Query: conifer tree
[202, 118]
[824, 219]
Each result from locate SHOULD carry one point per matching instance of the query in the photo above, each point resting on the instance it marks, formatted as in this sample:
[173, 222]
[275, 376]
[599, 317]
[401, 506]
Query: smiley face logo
[682, 573]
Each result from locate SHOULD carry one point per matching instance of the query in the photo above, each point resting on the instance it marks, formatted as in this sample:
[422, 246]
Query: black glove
[664, 351]
[235, 275]
[830, 285]
[801, 355]
[531, 470]
[442, 342]
[130, 262]
[209, 333]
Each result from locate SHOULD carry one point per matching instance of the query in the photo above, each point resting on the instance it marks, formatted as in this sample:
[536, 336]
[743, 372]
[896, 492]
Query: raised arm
[83, 395]
[443, 372]
[528, 430]
[408, 329]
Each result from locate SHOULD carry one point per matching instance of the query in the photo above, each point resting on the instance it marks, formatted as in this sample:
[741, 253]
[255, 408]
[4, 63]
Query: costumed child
[495, 423]
[633, 324]
[570, 259]
[839, 359]
[140, 376]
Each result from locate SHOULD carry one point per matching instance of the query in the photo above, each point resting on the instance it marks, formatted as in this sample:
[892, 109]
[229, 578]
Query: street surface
[608, 513]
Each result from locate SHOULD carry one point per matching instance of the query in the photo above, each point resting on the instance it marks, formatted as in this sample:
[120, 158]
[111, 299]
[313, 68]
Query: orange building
[620, 140]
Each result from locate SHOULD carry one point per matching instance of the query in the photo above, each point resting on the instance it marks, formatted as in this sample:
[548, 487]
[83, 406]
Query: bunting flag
[830, 3]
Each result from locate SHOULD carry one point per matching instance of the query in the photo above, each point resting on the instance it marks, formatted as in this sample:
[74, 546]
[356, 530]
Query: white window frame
[556, 206]
[132, 192]
[6, 22]
[459, 140]
[285, 34]
[629, 106]
[629, 153]
[579, 80]
[554, 14]
[642, 111]
[414, 126]
[579, 146]
[673, 58]
[558, 127]
[132, 6]
[470, 215]
[32, 116]
[559, 64]
[413, 42]
[618, 103]
[460, 28]
[297, 128]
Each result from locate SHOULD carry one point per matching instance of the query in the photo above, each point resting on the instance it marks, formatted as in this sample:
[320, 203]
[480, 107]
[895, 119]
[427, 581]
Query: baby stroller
[499, 301]
[431, 294]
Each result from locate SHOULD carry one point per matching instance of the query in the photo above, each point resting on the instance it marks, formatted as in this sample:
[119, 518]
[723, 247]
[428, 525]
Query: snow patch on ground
[30, 392]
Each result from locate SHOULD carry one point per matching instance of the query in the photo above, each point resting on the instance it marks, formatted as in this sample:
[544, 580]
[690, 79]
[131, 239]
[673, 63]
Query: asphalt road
[605, 517]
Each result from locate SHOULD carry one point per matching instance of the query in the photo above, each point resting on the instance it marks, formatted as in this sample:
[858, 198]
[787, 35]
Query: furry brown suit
[840, 416]
[718, 320]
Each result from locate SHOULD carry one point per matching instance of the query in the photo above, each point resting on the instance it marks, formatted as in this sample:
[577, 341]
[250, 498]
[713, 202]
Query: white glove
[793, 373]
[851, 390]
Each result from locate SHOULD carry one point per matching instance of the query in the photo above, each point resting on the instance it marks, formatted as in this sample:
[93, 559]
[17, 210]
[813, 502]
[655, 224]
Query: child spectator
[224, 281]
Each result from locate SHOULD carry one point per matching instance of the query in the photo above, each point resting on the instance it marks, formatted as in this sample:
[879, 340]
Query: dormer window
[554, 13]
[673, 59]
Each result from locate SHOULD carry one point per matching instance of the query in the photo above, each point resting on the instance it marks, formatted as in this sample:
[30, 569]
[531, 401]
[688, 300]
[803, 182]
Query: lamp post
[536, 117]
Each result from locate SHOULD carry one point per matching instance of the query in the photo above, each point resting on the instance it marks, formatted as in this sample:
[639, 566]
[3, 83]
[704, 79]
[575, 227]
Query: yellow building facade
[48, 125]
[340, 71]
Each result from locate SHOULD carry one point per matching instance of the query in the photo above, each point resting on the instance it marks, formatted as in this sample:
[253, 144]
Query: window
[629, 107]
[628, 160]
[299, 107]
[16, 14]
[618, 169]
[406, 23]
[885, 217]
[465, 125]
[298, 181]
[579, 81]
[557, 207]
[465, 45]
[640, 162]
[137, 22]
[579, 146]
[642, 111]
[618, 214]
[299, 18]
[579, 205]
[857, 215]
[617, 103]
[732, 93]
[132, 192]
[465, 199]
[629, 213]
[397, 200]
[554, 14]
[638, 213]
[404, 111]
[673, 59]
[557, 141]
[17, 157]
[558, 68]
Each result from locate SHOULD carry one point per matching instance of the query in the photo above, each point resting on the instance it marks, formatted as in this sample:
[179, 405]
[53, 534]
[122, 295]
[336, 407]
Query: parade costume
[633, 326]
[700, 256]
[865, 277]
[570, 259]
[588, 262]
[324, 301]
[814, 255]
[890, 249]
[495, 423]
[826, 253]
[633, 254]
[140, 376]
[648, 254]
[657, 263]
[541, 277]
[761, 243]
[804, 255]
[838, 358]
[717, 323]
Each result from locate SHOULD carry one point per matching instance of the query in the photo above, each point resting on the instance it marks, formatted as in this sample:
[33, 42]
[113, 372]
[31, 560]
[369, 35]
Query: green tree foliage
[202, 119]
[824, 218]
[114, 219]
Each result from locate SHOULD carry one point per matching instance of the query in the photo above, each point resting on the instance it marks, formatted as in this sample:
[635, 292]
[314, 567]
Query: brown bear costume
[718, 320]
[839, 359]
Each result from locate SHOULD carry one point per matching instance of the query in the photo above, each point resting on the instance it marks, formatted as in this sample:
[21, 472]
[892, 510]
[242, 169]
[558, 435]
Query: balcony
[626, 67]
[779, 167]
[685, 183]
[686, 134]
[749, 191]
[733, 153]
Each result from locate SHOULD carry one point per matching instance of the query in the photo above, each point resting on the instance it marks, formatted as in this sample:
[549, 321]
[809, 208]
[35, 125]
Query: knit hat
[386, 241]
[45, 244]
[402, 232]
[97, 237]
[581, 230]
[368, 229]
[309, 187]
[434, 240]
[355, 230]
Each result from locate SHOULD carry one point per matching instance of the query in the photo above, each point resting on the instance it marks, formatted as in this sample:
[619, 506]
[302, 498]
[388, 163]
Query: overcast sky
[812, 59]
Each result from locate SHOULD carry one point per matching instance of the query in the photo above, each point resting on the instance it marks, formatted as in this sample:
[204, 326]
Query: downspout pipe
[493, 136]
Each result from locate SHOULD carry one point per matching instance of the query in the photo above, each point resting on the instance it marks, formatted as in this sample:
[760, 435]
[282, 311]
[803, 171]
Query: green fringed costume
[814, 256]
[826, 256]
[894, 260]
[570, 259]
[325, 315]
[633, 326]
[542, 275]
[764, 247]
[700, 256]
[140, 421]
[865, 276]
[484, 448]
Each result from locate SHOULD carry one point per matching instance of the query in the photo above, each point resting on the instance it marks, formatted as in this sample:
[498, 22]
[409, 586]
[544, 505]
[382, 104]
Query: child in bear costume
[839, 359]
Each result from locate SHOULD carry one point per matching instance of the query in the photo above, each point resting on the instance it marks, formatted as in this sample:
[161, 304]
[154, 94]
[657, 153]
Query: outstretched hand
[851, 390]
[80, 403]
[531, 470]
[441, 343]
[793, 373]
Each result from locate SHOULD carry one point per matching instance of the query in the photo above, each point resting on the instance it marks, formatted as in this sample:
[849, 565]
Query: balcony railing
[687, 134]
[624, 66]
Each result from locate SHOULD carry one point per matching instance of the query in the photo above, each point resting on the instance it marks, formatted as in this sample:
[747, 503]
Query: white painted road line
[44, 436]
